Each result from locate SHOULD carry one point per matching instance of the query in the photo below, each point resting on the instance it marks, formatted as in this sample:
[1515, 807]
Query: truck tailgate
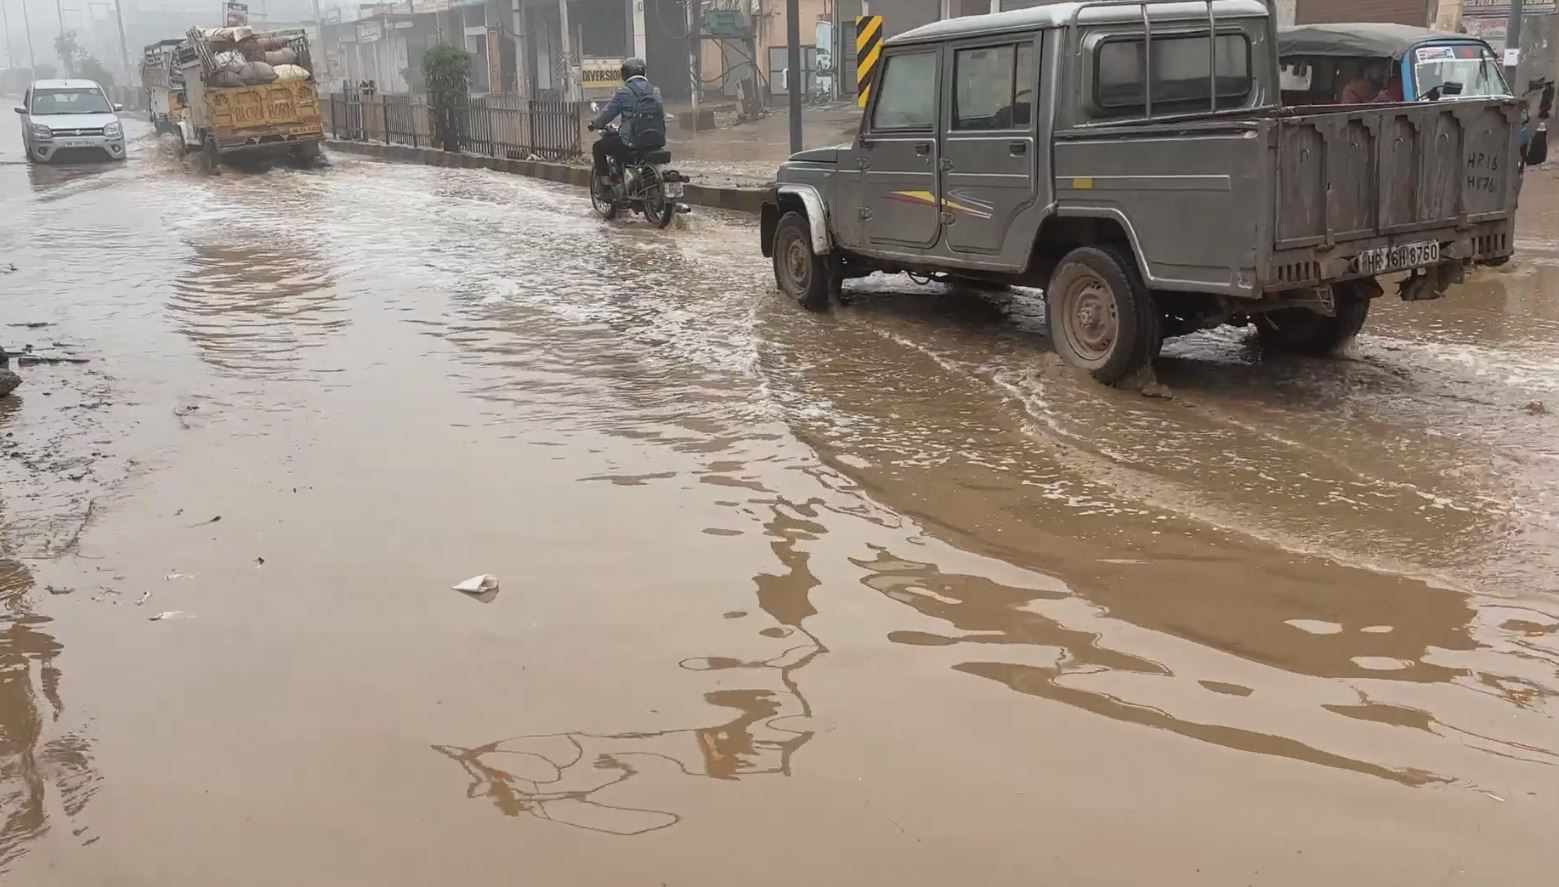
[1365, 173]
[282, 105]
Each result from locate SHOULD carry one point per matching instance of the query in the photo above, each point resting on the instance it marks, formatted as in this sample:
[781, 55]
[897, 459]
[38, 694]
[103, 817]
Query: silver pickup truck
[1132, 158]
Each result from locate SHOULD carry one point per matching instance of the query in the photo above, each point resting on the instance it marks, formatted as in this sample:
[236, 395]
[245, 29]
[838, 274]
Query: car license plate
[75, 143]
[1395, 258]
[673, 189]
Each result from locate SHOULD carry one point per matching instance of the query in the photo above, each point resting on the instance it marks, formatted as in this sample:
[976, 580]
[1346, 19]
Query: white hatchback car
[65, 119]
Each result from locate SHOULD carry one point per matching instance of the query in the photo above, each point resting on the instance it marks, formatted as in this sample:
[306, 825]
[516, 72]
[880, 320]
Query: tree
[77, 62]
[92, 69]
[69, 51]
[447, 71]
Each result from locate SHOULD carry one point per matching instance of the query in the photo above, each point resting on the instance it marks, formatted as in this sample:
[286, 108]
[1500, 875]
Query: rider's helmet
[633, 67]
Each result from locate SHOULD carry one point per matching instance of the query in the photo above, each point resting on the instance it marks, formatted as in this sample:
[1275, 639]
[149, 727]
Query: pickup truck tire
[1101, 317]
[802, 274]
[1302, 331]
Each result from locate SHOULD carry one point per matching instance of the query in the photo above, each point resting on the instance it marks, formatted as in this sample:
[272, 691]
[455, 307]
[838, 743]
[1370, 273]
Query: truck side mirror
[19, 109]
[118, 107]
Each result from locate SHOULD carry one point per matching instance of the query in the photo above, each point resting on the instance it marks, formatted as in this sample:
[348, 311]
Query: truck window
[1179, 77]
[994, 87]
[906, 97]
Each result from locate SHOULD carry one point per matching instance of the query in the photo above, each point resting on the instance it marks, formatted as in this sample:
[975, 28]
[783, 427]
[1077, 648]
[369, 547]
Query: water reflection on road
[758, 566]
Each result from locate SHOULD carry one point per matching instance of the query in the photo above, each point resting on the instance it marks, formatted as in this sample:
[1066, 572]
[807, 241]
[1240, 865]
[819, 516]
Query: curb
[748, 200]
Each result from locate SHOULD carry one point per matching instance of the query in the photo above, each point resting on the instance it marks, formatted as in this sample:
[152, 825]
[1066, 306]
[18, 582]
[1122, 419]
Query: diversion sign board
[600, 73]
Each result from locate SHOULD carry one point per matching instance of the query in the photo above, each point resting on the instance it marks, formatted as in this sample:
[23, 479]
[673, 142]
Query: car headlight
[39, 131]
[112, 130]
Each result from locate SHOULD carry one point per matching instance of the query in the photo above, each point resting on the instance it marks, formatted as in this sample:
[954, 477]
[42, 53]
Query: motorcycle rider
[643, 126]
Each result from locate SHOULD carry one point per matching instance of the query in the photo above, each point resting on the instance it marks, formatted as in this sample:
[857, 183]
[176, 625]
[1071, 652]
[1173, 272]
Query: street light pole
[793, 61]
[1513, 47]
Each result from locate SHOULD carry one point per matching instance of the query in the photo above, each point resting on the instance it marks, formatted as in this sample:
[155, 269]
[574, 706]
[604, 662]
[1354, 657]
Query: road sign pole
[1513, 47]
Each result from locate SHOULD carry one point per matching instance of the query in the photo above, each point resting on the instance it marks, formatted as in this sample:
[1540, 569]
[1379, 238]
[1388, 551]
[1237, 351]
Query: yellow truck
[249, 93]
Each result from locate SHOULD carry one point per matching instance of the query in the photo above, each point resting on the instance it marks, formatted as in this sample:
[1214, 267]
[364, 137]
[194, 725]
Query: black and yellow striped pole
[868, 50]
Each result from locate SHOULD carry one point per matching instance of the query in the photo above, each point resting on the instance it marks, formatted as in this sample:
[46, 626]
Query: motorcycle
[643, 184]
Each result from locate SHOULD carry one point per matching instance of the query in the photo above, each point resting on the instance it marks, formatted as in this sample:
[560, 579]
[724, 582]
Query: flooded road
[875, 596]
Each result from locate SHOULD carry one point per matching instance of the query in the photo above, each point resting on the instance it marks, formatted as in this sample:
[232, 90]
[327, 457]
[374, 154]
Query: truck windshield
[69, 101]
[1472, 65]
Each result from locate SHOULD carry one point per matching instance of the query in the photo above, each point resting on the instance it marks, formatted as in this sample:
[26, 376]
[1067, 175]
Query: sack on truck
[284, 56]
[256, 72]
[291, 72]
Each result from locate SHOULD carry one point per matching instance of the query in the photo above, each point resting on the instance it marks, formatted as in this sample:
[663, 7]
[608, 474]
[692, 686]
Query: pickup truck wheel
[801, 273]
[1101, 318]
[1302, 331]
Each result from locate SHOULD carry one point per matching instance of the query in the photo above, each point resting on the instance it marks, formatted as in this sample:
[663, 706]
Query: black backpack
[647, 130]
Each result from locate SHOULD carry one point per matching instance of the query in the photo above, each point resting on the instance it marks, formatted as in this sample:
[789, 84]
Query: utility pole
[67, 64]
[793, 62]
[695, 52]
[32, 59]
[1513, 47]
[124, 51]
[5, 19]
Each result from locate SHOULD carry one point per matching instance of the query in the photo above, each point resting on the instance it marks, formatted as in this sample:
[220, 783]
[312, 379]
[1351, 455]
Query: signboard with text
[368, 32]
[600, 73]
[1502, 7]
[237, 14]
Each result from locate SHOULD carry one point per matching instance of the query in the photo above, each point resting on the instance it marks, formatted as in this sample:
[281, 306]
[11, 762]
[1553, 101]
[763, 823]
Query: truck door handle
[1018, 148]
[923, 149]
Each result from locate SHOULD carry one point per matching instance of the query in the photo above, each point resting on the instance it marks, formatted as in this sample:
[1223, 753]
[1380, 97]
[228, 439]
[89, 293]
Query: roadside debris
[484, 587]
[58, 589]
[1535, 407]
[259, 561]
[145, 596]
[30, 359]
[8, 379]
[478, 584]
[170, 614]
[205, 522]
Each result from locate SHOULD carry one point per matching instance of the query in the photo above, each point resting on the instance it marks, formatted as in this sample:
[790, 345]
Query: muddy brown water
[871, 597]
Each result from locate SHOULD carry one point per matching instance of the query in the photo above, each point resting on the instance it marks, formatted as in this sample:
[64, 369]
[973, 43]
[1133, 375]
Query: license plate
[1395, 258]
[75, 143]
[673, 189]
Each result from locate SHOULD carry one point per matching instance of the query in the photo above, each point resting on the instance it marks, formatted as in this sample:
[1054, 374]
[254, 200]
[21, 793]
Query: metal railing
[494, 126]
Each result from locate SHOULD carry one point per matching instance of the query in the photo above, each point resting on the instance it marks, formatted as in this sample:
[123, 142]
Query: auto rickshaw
[1318, 61]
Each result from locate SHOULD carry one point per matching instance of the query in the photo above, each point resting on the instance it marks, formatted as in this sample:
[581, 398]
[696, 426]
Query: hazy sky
[145, 22]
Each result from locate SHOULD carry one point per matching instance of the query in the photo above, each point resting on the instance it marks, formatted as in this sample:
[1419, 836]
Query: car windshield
[1470, 64]
[69, 101]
